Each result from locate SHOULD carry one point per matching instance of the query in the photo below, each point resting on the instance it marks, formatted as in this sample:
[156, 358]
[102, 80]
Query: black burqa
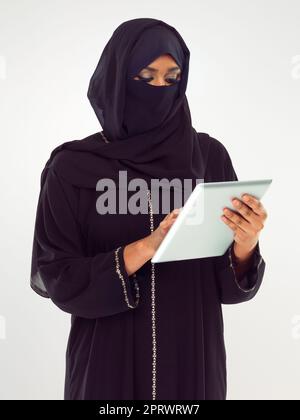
[150, 135]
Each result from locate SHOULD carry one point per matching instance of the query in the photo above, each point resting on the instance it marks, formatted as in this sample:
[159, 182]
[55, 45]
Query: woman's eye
[148, 79]
[145, 79]
[171, 80]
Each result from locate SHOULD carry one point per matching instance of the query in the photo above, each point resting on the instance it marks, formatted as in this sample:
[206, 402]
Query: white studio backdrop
[244, 89]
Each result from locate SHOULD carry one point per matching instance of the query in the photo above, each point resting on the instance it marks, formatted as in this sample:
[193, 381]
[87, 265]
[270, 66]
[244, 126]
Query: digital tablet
[198, 230]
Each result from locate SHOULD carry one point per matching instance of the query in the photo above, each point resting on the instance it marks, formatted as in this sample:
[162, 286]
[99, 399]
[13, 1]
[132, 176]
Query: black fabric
[109, 352]
[148, 106]
[171, 148]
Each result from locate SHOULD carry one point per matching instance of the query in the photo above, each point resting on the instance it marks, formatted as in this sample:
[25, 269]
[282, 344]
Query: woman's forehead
[166, 60]
[157, 43]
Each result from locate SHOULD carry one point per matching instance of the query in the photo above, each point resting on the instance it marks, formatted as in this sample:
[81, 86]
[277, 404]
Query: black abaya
[109, 352]
[109, 348]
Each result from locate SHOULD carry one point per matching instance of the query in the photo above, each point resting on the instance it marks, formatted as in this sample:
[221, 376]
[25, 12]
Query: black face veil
[147, 106]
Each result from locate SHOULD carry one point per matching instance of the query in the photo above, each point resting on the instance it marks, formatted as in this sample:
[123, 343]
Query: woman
[140, 330]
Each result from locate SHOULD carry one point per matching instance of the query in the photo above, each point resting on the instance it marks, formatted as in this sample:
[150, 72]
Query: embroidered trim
[136, 286]
[153, 308]
[104, 138]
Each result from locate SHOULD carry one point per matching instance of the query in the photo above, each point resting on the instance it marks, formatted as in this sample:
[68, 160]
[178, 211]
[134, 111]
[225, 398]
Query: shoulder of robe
[73, 162]
[218, 158]
[216, 148]
[68, 152]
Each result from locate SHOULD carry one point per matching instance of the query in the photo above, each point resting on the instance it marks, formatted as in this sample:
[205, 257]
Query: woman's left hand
[246, 221]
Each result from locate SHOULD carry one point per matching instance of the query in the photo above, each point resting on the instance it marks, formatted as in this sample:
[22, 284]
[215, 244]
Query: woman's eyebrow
[170, 69]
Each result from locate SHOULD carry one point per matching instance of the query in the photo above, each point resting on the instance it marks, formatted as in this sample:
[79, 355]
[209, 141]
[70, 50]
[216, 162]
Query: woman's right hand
[153, 241]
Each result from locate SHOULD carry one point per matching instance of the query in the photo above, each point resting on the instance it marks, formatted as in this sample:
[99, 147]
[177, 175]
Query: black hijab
[149, 127]
[146, 106]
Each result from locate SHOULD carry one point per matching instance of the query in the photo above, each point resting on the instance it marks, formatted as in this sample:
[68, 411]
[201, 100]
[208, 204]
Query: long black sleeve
[87, 286]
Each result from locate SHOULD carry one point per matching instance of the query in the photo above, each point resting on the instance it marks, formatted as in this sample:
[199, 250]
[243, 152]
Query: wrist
[145, 248]
[241, 256]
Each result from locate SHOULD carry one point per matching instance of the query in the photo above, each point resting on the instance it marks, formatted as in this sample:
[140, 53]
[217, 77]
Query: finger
[247, 213]
[173, 217]
[238, 220]
[172, 213]
[233, 226]
[170, 217]
[255, 204]
[175, 212]
[169, 224]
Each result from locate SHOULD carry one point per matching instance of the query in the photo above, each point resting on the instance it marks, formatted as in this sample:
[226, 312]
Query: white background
[244, 89]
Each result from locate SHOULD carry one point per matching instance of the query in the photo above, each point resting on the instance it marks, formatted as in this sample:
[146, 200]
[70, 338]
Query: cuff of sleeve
[248, 282]
[234, 290]
[129, 284]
